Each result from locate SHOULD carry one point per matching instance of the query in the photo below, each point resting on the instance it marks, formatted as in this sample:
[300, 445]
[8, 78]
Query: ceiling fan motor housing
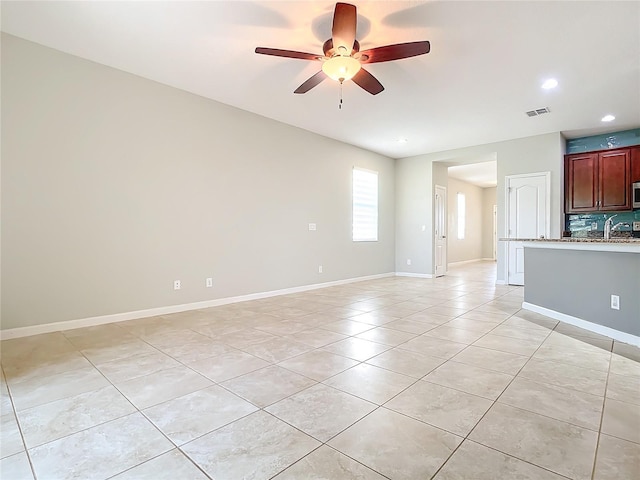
[329, 51]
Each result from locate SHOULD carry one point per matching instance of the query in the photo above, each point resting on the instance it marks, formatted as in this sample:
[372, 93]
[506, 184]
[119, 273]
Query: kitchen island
[579, 280]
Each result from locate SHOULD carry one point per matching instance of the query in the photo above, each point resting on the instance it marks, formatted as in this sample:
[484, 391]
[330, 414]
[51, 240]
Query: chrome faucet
[607, 227]
[620, 224]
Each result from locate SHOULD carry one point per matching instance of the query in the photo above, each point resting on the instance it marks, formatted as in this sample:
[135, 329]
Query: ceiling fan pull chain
[340, 104]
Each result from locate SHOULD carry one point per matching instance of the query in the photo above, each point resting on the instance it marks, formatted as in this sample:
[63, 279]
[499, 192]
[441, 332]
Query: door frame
[443, 191]
[494, 245]
[547, 226]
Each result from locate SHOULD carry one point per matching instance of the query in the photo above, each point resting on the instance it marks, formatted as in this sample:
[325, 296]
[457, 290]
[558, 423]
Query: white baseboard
[152, 312]
[578, 322]
[415, 275]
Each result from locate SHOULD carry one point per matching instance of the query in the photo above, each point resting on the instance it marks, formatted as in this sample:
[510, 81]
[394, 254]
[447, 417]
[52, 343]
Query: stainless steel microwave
[636, 194]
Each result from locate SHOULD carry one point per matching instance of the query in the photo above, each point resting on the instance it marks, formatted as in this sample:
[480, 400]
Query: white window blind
[461, 215]
[365, 205]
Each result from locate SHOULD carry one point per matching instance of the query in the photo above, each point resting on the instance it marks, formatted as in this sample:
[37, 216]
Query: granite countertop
[573, 240]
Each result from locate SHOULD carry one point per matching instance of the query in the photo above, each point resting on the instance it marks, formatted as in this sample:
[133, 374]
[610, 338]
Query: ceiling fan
[343, 60]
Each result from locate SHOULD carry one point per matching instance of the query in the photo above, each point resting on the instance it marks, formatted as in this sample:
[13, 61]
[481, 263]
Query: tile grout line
[324, 443]
[141, 412]
[466, 437]
[505, 388]
[498, 398]
[378, 406]
[604, 404]
[137, 410]
[15, 416]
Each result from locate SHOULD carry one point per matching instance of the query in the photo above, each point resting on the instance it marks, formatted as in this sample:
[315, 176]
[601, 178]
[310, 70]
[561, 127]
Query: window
[365, 205]
[461, 215]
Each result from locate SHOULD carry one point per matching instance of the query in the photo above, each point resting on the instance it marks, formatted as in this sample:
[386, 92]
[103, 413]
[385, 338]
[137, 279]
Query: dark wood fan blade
[311, 82]
[394, 52]
[368, 82]
[276, 52]
[343, 31]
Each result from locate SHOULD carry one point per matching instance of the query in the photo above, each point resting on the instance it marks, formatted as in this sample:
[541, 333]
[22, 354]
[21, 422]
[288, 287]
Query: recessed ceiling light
[403, 140]
[549, 84]
[608, 118]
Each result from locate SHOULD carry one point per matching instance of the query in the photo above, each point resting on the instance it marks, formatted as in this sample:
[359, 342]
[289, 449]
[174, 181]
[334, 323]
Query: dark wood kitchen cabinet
[598, 181]
[614, 172]
[581, 182]
[635, 164]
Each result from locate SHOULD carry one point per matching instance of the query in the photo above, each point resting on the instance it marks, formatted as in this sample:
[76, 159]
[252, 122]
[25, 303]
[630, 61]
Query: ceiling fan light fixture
[341, 68]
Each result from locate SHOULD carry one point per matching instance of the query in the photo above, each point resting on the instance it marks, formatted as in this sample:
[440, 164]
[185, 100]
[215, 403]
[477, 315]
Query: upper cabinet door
[581, 189]
[614, 183]
[635, 164]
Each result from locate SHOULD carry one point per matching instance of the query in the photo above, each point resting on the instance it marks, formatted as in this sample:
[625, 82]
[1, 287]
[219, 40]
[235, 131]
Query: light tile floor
[397, 378]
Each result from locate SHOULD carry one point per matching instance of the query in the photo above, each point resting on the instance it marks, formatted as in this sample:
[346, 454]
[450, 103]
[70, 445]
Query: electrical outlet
[312, 227]
[177, 285]
[615, 302]
[209, 282]
[594, 226]
[319, 268]
[636, 226]
[408, 261]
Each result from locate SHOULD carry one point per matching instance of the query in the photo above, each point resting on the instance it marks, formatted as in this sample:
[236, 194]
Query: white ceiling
[483, 174]
[487, 62]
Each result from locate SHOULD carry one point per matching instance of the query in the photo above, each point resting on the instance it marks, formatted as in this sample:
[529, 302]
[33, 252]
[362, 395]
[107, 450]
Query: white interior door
[440, 229]
[528, 212]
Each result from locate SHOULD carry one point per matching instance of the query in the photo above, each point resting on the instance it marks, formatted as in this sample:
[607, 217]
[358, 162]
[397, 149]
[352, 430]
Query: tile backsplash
[592, 224]
[625, 138]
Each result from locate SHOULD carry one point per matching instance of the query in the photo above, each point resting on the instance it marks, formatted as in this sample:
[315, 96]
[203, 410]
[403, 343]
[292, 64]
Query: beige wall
[113, 186]
[470, 247]
[488, 201]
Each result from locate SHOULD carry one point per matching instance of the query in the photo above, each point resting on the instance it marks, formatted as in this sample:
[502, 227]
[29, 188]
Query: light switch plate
[312, 227]
[615, 302]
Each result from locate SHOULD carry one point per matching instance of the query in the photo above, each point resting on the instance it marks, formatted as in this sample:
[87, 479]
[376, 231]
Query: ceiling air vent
[537, 111]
